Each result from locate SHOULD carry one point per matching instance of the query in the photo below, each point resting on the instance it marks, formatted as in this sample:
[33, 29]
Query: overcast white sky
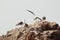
[13, 11]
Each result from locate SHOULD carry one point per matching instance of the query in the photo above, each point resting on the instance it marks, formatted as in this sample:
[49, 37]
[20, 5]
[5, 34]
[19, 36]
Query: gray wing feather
[31, 12]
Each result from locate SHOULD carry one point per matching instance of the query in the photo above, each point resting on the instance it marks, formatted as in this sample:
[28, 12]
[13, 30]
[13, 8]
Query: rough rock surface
[40, 30]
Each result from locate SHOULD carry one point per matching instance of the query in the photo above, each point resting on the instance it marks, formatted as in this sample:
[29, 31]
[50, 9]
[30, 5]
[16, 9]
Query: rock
[40, 30]
[53, 25]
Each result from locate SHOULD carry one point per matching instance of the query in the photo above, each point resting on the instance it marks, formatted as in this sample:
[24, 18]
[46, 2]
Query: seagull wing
[31, 12]
[37, 18]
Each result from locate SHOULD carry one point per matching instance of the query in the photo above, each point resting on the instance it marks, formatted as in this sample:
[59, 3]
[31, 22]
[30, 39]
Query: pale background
[13, 11]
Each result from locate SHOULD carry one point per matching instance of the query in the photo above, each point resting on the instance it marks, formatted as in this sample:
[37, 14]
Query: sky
[14, 11]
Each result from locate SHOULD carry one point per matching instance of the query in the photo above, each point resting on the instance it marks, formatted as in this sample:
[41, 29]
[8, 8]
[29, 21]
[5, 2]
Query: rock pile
[40, 30]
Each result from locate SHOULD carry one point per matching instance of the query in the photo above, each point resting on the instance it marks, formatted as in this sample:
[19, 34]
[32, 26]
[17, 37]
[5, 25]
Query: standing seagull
[34, 15]
[20, 23]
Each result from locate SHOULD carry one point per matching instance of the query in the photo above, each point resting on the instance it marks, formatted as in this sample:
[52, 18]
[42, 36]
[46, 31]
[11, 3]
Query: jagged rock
[40, 30]
[53, 25]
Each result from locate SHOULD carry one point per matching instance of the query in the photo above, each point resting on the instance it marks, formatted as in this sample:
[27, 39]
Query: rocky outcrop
[40, 30]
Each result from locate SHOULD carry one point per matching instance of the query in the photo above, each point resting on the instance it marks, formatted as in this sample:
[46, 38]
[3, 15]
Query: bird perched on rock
[20, 23]
[34, 15]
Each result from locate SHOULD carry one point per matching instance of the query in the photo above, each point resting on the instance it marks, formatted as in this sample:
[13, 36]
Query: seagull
[20, 23]
[34, 15]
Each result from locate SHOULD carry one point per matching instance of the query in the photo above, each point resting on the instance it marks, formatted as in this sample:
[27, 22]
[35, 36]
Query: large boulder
[40, 30]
